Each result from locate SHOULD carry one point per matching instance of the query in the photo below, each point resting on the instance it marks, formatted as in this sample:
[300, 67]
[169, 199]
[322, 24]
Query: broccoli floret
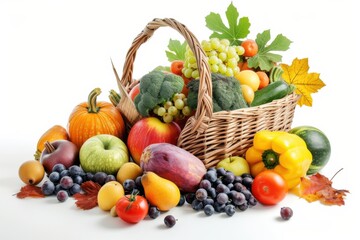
[227, 94]
[156, 87]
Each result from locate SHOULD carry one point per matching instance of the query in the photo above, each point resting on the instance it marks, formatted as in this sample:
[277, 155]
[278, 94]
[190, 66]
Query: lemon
[248, 77]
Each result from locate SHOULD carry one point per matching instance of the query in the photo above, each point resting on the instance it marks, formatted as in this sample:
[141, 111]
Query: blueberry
[247, 182]
[182, 200]
[76, 188]
[209, 210]
[75, 170]
[129, 185]
[110, 178]
[57, 188]
[197, 205]
[189, 197]
[100, 178]
[154, 212]
[54, 177]
[229, 210]
[64, 173]
[89, 176]
[78, 179]
[58, 168]
[48, 188]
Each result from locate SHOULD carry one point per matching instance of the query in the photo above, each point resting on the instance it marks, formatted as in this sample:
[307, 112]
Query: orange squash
[92, 118]
[56, 132]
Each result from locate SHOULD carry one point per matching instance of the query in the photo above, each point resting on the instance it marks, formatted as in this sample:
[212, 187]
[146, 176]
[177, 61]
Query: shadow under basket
[210, 136]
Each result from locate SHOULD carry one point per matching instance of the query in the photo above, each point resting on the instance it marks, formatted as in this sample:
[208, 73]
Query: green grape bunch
[175, 108]
[223, 58]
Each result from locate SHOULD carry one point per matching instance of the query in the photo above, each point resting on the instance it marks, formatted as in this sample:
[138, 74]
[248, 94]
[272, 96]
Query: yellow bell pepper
[281, 152]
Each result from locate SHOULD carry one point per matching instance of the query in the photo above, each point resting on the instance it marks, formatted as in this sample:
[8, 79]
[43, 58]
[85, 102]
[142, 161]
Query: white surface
[52, 53]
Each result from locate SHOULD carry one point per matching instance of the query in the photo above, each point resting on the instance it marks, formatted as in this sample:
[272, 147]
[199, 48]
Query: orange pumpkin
[56, 132]
[92, 118]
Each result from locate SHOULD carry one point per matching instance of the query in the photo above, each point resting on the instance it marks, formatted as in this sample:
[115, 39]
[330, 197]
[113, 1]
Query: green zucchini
[275, 90]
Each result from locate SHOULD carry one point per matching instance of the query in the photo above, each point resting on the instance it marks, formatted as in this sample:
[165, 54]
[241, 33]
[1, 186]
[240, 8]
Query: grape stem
[336, 173]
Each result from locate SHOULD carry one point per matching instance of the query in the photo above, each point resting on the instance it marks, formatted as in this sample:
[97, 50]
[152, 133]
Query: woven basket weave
[209, 136]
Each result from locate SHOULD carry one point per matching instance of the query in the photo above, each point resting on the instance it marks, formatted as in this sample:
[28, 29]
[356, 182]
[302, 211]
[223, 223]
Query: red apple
[59, 151]
[134, 91]
[150, 130]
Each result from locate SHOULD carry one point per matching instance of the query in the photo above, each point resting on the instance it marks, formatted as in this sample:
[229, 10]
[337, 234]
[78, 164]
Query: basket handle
[205, 105]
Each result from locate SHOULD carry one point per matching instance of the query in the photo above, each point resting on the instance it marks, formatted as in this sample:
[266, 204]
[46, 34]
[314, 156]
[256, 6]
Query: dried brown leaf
[88, 198]
[30, 191]
[318, 187]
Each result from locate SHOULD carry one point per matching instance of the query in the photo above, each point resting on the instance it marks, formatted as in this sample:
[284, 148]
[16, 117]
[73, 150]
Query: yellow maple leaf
[306, 83]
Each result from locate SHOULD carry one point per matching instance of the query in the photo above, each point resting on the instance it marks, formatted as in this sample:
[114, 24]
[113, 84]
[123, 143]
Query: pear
[160, 192]
[31, 172]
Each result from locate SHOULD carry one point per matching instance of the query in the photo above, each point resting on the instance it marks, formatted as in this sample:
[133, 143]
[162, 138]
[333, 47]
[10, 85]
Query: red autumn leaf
[88, 199]
[318, 187]
[30, 191]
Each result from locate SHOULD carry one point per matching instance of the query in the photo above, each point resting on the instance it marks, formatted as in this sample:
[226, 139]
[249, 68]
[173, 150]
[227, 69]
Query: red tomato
[176, 67]
[132, 208]
[251, 48]
[134, 91]
[269, 188]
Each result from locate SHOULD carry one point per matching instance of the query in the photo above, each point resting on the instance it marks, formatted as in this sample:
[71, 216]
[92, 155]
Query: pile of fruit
[141, 172]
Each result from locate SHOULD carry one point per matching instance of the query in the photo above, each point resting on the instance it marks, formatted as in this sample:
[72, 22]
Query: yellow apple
[235, 164]
[109, 194]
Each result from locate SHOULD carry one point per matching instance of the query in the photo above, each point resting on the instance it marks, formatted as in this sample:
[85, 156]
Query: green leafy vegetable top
[265, 59]
[237, 29]
[176, 50]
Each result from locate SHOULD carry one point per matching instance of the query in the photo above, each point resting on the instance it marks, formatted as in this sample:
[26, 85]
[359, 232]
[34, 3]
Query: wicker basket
[209, 136]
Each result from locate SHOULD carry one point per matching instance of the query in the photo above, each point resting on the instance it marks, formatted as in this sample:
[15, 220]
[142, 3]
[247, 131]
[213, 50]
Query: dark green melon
[317, 143]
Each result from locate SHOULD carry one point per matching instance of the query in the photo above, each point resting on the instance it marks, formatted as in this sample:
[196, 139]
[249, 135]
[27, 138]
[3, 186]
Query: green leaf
[265, 58]
[176, 50]
[237, 29]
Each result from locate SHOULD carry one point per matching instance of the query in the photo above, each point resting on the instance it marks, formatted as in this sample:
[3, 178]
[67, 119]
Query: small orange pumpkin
[92, 118]
[56, 132]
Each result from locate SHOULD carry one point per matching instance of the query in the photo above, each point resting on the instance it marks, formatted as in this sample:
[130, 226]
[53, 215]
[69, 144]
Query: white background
[53, 53]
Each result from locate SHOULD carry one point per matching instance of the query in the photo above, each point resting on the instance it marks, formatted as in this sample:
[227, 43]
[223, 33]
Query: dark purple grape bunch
[65, 182]
[221, 191]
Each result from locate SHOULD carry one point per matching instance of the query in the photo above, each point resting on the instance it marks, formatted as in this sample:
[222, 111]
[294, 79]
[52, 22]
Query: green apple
[235, 164]
[103, 153]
